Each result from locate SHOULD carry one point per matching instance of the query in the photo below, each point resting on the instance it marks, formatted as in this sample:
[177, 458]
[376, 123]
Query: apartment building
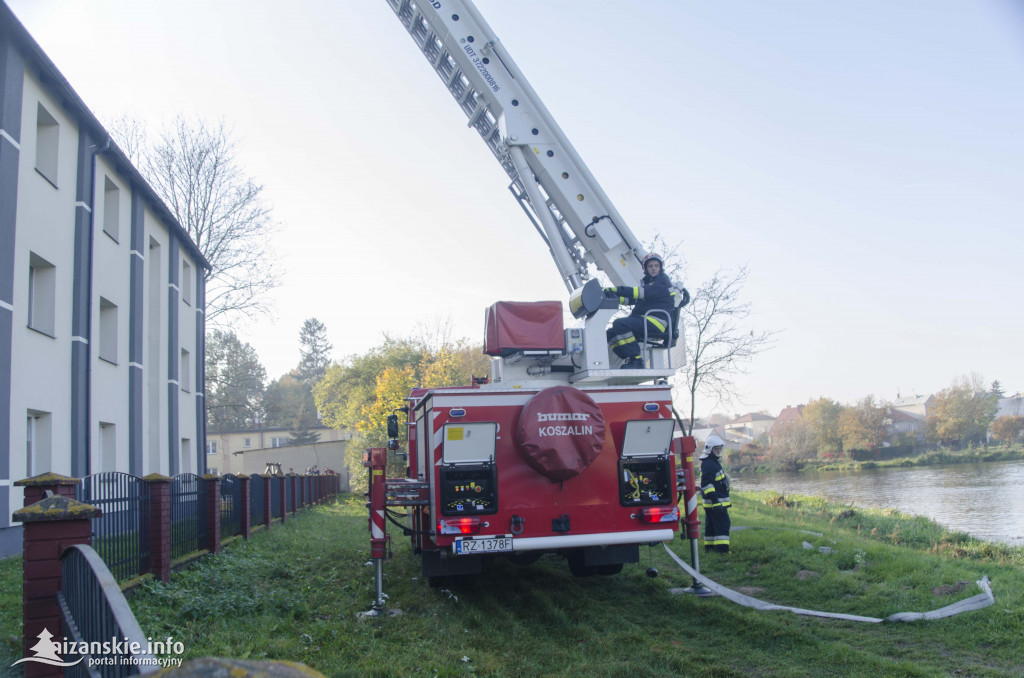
[101, 296]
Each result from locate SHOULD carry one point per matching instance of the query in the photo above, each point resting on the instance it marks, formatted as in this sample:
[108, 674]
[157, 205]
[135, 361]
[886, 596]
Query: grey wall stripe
[81, 307]
[200, 367]
[135, 335]
[12, 77]
[173, 439]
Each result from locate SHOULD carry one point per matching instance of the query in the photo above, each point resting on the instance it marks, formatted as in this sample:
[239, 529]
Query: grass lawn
[294, 593]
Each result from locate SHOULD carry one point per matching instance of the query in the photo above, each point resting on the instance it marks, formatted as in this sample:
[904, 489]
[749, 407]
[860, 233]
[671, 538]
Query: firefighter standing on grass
[714, 487]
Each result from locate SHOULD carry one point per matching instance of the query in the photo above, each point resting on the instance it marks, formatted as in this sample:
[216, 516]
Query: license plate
[465, 547]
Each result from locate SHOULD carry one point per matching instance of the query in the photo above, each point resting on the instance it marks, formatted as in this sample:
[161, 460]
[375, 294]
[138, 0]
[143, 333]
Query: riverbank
[295, 593]
[972, 455]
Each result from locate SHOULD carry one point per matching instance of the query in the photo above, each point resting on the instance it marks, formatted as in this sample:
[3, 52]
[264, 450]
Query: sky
[864, 160]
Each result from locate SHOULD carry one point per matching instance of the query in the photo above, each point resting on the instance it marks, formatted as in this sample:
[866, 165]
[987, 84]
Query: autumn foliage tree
[1007, 429]
[360, 392]
[863, 426]
[821, 417]
[962, 412]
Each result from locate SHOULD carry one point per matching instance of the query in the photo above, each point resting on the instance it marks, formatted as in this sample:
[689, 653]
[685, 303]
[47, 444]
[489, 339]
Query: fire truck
[558, 450]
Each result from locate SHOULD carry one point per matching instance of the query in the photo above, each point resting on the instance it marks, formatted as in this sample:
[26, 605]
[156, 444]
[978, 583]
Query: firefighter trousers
[716, 529]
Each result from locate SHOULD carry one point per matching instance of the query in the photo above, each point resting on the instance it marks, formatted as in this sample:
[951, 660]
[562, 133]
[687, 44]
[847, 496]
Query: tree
[302, 426]
[822, 418]
[192, 166]
[997, 389]
[862, 427]
[285, 398]
[1007, 429]
[361, 391]
[717, 346]
[962, 413]
[234, 382]
[793, 443]
[315, 351]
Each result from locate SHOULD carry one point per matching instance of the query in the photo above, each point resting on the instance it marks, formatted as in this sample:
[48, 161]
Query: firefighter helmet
[712, 444]
[652, 257]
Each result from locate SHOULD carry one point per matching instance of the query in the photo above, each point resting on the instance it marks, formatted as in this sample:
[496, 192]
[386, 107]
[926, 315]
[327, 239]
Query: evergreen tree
[234, 382]
[315, 351]
[303, 425]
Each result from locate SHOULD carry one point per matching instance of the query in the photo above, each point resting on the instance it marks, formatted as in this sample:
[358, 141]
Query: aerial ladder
[563, 200]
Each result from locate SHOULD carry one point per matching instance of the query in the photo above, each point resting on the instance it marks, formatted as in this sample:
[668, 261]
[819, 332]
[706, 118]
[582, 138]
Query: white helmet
[711, 444]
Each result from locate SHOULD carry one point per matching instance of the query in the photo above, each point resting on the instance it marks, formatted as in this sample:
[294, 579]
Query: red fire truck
[558, 450]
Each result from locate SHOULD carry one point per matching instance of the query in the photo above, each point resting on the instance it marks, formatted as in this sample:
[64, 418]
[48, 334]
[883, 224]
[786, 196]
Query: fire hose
[977, 602]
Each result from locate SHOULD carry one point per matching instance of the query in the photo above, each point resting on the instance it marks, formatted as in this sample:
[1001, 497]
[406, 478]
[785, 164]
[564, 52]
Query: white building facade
[101, 296]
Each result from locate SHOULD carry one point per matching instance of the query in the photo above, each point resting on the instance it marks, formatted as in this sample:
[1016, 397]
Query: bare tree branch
[192, 165]
[718, 345]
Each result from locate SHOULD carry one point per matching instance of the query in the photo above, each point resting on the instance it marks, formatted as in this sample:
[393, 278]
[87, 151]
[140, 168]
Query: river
[985, 500]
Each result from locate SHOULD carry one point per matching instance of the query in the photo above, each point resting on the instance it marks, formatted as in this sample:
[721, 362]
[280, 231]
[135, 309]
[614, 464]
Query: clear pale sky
[864, 159]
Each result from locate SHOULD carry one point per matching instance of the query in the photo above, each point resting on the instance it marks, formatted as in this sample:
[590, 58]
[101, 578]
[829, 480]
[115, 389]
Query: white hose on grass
[977, 602]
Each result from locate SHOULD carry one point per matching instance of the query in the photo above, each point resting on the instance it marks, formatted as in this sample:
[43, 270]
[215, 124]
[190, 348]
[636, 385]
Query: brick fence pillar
[268, 513]
[159, 526]
[245, 510]
[36, 487]
[211, 483]
[51, 525]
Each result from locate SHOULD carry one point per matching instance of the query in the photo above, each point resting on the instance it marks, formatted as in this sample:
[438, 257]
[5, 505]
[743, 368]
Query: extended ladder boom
[551, 182]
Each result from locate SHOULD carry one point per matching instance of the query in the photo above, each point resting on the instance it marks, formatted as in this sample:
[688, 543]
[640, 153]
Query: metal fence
[121, 534]
[289, 495]
[230, 505]
[95, 612]
[256, 515]
[188, 514]
[275, 495]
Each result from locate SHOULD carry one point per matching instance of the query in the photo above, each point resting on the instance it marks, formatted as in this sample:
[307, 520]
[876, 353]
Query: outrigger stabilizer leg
[685, 448]
[376, 460]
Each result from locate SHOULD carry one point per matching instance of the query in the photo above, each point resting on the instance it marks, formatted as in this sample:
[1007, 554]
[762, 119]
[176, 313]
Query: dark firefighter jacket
[714, 484]
[654, 293]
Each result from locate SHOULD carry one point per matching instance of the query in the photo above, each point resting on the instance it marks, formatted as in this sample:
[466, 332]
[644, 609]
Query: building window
[186, 282]
[278, 441]
[247, 442]
[111, 209]
[212, 470]
[42, 291]
[37, 443]
[211, 447]
[185, 370]
[108, 447]
[186, 455]
[108, 331]
[47, 144]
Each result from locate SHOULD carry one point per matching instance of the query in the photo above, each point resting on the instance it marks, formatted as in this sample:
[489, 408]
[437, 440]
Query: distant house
[899, 422]
[1011, 407]
[917, 406]
[731, 440]
[749, 427]
[788, 414]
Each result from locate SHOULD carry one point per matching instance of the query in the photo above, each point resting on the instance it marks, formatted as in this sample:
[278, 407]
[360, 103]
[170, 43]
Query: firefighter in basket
[714, 487]
[656, 293]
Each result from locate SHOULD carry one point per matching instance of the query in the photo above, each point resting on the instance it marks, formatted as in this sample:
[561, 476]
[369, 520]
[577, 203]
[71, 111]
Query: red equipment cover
[560, 432]
[511, 326]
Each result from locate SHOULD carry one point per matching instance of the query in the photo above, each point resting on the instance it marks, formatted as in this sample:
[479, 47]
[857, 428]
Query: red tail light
[659, 514]
[459, 526]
